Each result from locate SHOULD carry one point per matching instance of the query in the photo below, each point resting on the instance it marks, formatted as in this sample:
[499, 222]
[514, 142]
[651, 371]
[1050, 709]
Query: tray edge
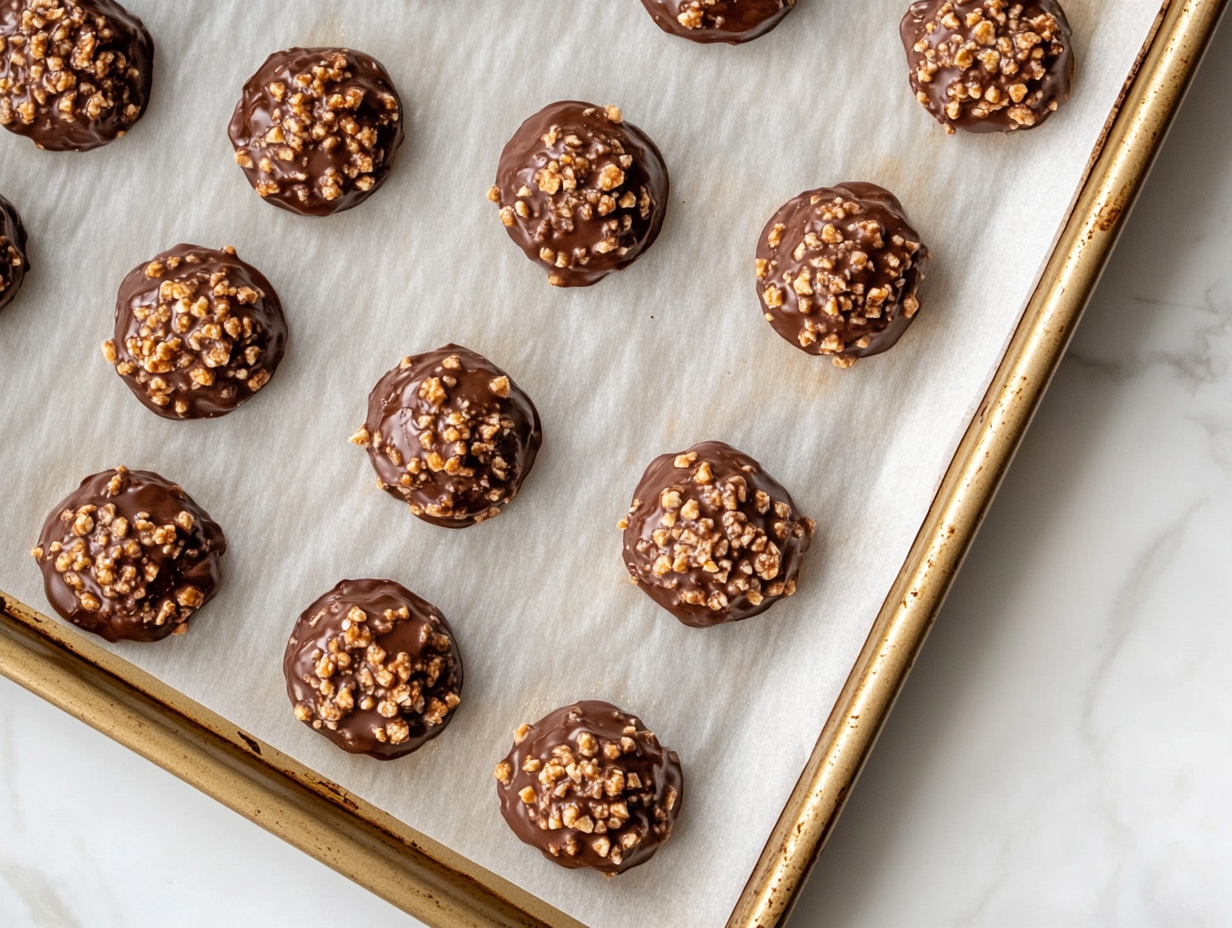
[1119, 165]
[410, 870]
[441, 888]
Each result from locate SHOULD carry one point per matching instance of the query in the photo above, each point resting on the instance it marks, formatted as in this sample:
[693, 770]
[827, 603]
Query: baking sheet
[667, 353]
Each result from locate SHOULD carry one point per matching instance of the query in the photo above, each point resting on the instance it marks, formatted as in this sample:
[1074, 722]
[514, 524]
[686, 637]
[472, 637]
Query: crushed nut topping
[989, 65]
[581, 191]
[712, 537]
[129, 555]
[452, 435]
[317, 129]
[591, 787]
[373, 667]
[197, 332]
[74, 74]
[838, 269]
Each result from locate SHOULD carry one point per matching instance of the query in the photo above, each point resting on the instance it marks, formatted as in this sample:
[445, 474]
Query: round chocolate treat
[450, 433]
[589, 786]
[838, 269]
[713, 538]
[989, 65]
[730, 21]
[581, 191]
[373, 668]
[129, 555]
[74, 74]
[197, 332]
[317, 129]
[13, 262]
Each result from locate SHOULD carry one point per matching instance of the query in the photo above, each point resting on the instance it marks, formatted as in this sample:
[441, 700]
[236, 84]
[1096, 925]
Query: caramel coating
[989, 65]
[129, 555]
[452, 435]
[581, 191]
[590, 787]
[74, 74]
[197, 332]
[838, 269]
[711, 537]
[707, 21]
[316, 129]
[373, 668]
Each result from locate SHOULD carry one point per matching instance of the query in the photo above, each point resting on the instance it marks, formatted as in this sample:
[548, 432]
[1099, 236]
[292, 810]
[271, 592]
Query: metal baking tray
[442, 888]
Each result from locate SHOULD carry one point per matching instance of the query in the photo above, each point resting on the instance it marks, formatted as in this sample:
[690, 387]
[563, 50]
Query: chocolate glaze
[450, 433]
[582, 192]
[78, 71]
[316, 129]
[13, 260]
[129, 555]
[197, 332]
[713, 538]
[838, 269]
[373, 668]
[989, 65]
[612, 810]
[730, 21]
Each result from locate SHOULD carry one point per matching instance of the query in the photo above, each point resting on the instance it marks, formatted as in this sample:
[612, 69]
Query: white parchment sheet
[667, 353]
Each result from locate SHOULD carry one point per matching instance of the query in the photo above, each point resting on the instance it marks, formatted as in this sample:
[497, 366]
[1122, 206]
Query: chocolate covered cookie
[373, 668]
[13, 261]
[838, 269]
[316, 129]
[589, 786]
[129, 555]
[451, 434]
[581, 191]
[74, 74]
[989, 65]
[197, 332]
[730, 21]
[713, 538]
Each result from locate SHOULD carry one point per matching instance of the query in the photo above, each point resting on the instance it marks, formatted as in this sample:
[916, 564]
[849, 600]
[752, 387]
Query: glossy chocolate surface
[316, 129]
[581, 191]
[373, 668]
[589, 786]
[129, 556]
[197, 332]
[75, 74]
[711, 537]
[13, 260]
[451, 434]
[730, 21]
[989, 65]
[838, 269]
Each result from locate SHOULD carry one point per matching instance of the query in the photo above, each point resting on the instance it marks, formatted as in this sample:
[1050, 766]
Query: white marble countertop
[1061, 754]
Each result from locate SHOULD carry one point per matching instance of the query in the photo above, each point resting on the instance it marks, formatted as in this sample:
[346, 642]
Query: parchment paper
[667, 353]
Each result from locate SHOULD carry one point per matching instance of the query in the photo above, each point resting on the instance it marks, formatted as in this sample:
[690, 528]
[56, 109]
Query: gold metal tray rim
[440, 887]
